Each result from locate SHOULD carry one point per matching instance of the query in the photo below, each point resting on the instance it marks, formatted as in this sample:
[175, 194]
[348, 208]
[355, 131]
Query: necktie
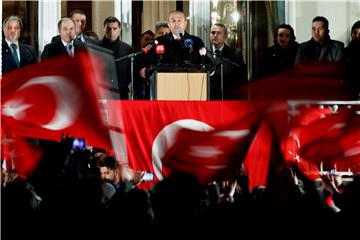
[69, 50]
[217, 54]
[14, 54]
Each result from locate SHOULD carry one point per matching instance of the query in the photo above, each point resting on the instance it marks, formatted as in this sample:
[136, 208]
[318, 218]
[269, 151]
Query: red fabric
[144, 120]
[257, 161]
[52, 98]
[19, 154]
[305, 82]
[330, 139]
[213, 155]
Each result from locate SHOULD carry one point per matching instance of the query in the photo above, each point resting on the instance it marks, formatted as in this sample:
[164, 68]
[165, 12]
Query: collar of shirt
[65, 43]
[177, 37]
[214, 48]
[9, 43]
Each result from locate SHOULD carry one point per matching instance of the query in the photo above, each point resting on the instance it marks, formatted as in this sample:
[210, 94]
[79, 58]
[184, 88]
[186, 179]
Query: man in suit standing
[14, 53]
[79, 18]
[320, 48]
[233, 76]
[179, 46]
[111, 40]
[65, 45]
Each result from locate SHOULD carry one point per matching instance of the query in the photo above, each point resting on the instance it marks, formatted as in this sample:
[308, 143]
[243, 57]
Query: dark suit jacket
[57, 49]
[233, 76]
[277, 59]
[176, 52]
[123, 69]
[27, 56]
[313, 52]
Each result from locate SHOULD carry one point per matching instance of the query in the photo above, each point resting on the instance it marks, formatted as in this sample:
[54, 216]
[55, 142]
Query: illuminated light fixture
[235, 16]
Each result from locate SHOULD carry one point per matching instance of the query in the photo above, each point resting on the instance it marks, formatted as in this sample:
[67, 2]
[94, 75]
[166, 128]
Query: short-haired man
[14, 53]
[111, 40]
[233, 76]
[79, 18]
[65, 45]
[179, 46]
[161, 28]
[281, 56]
[320, 47]
[118, 174]
[146, 38]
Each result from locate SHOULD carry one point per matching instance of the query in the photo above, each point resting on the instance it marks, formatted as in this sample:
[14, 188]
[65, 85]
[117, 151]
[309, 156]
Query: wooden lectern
[183, 85]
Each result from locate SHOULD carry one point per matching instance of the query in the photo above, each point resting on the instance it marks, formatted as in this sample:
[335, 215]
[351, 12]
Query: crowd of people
[181, 48]
[85, 192]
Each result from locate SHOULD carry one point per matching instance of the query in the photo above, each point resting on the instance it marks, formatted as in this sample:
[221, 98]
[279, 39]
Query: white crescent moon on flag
[67, 100]
[166, 138]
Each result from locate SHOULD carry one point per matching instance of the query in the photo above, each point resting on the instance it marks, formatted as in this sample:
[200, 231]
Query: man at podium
[175, 50]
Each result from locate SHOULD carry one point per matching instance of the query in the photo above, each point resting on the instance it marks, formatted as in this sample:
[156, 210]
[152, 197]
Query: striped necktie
[14, 54]
[69, 48]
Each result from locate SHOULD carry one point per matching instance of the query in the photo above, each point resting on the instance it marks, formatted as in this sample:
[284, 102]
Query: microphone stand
[131, 57]
[221, 62]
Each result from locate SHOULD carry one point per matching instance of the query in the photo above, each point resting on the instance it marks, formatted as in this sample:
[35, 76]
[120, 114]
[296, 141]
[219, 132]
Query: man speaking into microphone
[179, 46]
[175, 49]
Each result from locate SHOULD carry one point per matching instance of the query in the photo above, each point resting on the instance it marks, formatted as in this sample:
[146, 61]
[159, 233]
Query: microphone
[149, 46]
[188, 43]
[144, 50]
[160, 49]
[203, 51]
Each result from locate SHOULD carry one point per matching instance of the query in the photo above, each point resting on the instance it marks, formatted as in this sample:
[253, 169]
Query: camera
[78, 144]
[147, 177]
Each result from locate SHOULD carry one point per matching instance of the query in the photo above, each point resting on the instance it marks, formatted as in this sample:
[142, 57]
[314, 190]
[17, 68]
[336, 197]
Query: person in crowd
[179, 47]
[79, 18]
[14, 53]
[222, 53]
[281, 56]
[65, 45]
[146, 38]
[352, 60]
[320, 47]
[119, 175]
[111, 40]
[161, 28]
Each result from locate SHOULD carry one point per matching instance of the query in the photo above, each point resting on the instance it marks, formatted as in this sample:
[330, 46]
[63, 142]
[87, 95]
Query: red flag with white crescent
[150, 127]
[54, 97]
[213, 155]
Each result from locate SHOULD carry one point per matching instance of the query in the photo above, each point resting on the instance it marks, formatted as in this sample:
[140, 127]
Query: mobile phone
[147, 177]
[332, 171]
[78, 144]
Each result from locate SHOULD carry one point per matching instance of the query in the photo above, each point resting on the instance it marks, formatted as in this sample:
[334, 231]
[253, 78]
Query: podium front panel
[181, 86]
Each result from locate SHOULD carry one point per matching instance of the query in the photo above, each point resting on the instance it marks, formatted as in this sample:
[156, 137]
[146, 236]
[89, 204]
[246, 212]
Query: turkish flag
[20, 155]
[216, 154]
[329, 139]
[150, 127]
[52, 98]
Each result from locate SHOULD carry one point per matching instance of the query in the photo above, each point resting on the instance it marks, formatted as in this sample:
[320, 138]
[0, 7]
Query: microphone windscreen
[202, 51]
[188, 42]
[160, 49]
